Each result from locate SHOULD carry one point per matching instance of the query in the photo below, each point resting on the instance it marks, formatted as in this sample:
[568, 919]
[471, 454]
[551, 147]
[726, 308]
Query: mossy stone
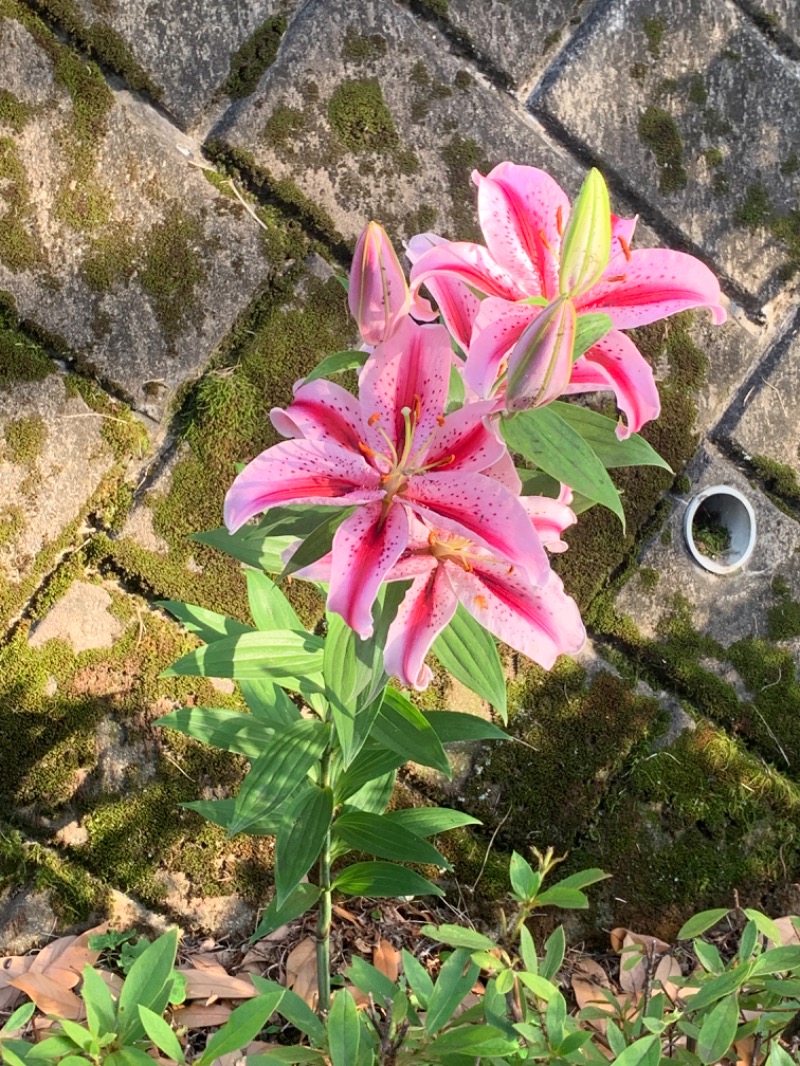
[363, 47]
[655, 30]
[359, 117]
[25, 439]
[14, 113]
[659, 131]
[254, 57]
[171, 269]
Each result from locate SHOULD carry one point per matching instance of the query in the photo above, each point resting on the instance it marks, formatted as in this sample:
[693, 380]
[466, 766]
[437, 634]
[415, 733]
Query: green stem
[324, 913]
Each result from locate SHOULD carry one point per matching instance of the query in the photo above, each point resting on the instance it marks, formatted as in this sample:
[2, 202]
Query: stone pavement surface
[178, 186]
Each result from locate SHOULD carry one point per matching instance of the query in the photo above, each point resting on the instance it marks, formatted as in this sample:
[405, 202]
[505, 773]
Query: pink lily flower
[393, 454]
[541, 622]
[378, 295]
[524, 213]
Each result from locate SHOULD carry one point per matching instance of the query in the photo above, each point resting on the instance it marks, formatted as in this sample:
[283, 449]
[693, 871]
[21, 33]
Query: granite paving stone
[780, 18]
[690, 105]
[726, 607]
[111, 241]
[518, 37]
[184, 57]
[366, 114]
[770, 422]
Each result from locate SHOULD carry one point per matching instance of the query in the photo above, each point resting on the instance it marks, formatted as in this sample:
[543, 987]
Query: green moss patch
[171, 269]
[25, 440]
[659, 131]
[756, 210]
[14, 113]
[359, 117]
[20, 247]
[363, 47]
[21, 359]
[655, 30]
[255, 56]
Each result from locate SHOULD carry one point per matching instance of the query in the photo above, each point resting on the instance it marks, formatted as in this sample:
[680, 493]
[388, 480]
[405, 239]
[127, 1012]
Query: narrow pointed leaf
[317, 543]
[336, 363]
[207, 625]
[469, 653]
[430, 821]
[374, 796]
[343, 1029]
[373, 761]
[220, 728]
[370, 980]
[161, 1033]
[147, 984]
[455, 980]
[452, 726]
[590, 329]
[294, 1009]
[546, 439]
[284, 655]
[268, 604]
[699, 923]
[600, 433]
[298, 848]
[101, 1014]
[268, 702]
[718, 1030]
[458, 936]
[419, 980]
[278, 771]
[402, 728]
[379, 880]
[378, 835]
[475, 1041]
[244, 1024]
[299, 902]
[265, 553]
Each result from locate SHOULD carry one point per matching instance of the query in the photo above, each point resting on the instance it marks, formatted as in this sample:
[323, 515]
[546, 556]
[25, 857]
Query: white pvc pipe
[734, 514]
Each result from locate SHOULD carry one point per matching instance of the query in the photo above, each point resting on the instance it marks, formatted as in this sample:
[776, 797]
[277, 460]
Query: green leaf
[317, 543]
[456, 393]
[524, 880]
[127, 1056]
[101, 1014]
[527, 950]
[457, 936]
[600, 433]
[294, 1009]
[383, 879]
[370, 980]
[161, 1033]
[344, 1029]
[266, 553]
[400, 727]
[287, 656]
[779, 1057]
[554, 949]
[377, 835]
[430, 821]
[643, 1052]
[776, 960]
[583, 879]
[340, 673]
[555, 1018]
[336, 363]
[373, 761]
[544, 437]
[718, 1030]
[281, 768]
[220, 728]
[268, 702]
[536, 483]
[207, 625]
[539, 985]
[147, 984]
[469, 653]
[23, 1014]
[374, 796]
[453, 726]
[297, 849]
[78, 1034]
[244, 1024]
[456, 978]
[268, 605]
[475, 1041]
[290, 1055]
[701, 922]
[709, 957]
[717, 987]
[590, 329]
[765, 925]
[559, 896]
[299, 902]
[419, 980]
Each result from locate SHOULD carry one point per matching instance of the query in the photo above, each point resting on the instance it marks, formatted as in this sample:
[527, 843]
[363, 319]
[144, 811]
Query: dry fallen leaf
[386, 958]
[630, 945]
[216, 983]
[49, 996]
[340, 912]
[788, 929]
[202, 1016]
[667, 970]
[301, 971]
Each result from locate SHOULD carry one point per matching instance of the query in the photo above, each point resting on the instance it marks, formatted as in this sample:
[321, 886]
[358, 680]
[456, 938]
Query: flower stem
[324, 913]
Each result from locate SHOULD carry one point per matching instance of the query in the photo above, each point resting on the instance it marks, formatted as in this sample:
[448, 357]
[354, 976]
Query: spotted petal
[323, 411]
[471, 264]
[426, 609]
[616, 363]
[300, 472]
[498, 327]
[464, 441]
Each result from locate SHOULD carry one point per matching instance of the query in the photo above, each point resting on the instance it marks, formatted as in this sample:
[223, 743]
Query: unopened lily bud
[378, 295]
[586, 247]
[540, 363]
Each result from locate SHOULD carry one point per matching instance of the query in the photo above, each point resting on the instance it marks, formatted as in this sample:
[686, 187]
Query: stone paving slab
[770, 423]
[779, 18]
[173, 49]
[690, 105]
[518, 38]
[365, 114]
[111, 240]
[53, 458]
[725, 607]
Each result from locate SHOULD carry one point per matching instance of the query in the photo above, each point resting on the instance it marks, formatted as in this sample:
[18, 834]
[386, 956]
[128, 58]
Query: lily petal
[365, 547]
[321, 410]
[411, 370]
[541, 623]
[426, 609]
[652, 284]
[523, 212]
[300, 472]
[482, 509]
[468, 263]
[616, 363]
[464, 441]
[498, 327]
[550, 518]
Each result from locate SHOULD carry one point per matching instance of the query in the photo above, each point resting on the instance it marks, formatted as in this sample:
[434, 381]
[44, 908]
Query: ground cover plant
[425, 505]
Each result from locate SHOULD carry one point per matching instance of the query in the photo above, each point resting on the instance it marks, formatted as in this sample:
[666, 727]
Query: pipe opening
[720, 529]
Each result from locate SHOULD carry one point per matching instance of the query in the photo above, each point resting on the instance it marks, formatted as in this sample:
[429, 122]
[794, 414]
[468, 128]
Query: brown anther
[385, 478]
[509, 571]
[560, 221]
[626, 248]
[481, 602]
[373, 419]
[440, 420]
[502, 368]
[544, 240]
[432, 539]
[366, 450]
[417, 407]
[618, 277]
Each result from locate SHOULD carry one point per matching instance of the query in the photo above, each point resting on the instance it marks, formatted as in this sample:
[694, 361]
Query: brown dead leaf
[215, 983]
[667, 970]
[361, 998]
[202, 1015]
[788, 929]
[49, 953]
[301, 971]
[10, 967]
[632, 978]
[49, 996]
[386, 958]
[744, 1050]
[340, 912]
[588, 978]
